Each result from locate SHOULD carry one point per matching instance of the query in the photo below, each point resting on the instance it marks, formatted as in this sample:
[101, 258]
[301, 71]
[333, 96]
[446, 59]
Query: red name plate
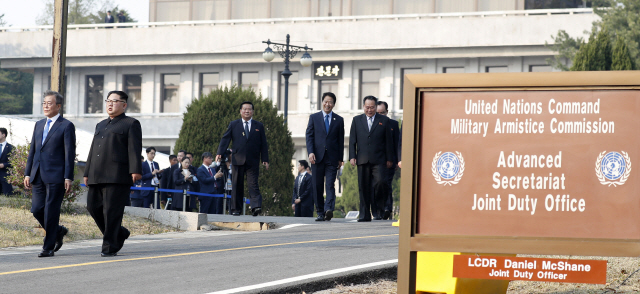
[530, 269]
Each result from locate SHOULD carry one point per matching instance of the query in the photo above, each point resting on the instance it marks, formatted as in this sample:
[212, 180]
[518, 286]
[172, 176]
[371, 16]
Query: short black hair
[109, 11]
[141, 157]
[151, 148]
[171, 157]
[183, 159]
[122, 95]
[304, 163]
[386, 106]
[3, 131]
[58, 96]
[207, 154]
[373, 98]
[189, 153]
[185, 152]
[329, 94]
[247, 102]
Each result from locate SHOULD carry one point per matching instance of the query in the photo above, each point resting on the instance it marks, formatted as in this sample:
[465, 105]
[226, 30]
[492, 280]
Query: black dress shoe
[125, 236]
[108, 254]
[363, 220]
[59, 240]
[45, 253]
[386, 214]
[256, 211]
[320, 218]
[328, 215]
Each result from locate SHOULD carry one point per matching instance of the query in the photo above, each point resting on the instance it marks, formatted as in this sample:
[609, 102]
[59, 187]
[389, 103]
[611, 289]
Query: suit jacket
[147, 177]
[326, 146]
[165, 182]
[245, 151]
[207, 181]
[395, 134]
[107, 20]
[182, 184]
[115, 151]
[374, 146]
[305, 190]
[4, 159]
[55, 157]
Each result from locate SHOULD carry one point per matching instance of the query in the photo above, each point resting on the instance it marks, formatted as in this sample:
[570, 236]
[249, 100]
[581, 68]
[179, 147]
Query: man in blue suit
[208, 184]
[151, 174]
[249, 149]
[325, 145]
[302, 200]
[49, 170]
[5, 149]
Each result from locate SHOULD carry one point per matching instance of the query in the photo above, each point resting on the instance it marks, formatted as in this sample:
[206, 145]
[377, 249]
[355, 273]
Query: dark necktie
[152, 167]
[246, 130]
[211, 174]
[326, 122]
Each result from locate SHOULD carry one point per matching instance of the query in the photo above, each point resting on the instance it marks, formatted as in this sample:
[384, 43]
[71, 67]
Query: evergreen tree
[595, 55]
[621, 57]
[208, 117]
[16, 92]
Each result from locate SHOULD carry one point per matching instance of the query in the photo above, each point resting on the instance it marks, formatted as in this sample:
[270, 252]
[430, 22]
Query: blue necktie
[326, 122]
[46, 130]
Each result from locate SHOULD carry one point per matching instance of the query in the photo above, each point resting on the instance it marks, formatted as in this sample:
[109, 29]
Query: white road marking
[292, 226]
[305, 277]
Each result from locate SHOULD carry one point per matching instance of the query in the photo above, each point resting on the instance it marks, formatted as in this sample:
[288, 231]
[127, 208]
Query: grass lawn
[18, 227]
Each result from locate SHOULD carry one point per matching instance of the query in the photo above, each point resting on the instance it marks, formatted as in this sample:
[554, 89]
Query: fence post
[224, 203]
[184, 200]
[244, 205]
[155, 198]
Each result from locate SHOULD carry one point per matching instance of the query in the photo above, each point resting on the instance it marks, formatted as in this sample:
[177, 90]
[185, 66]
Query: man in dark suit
[302, 202]
[325, 145]
[5, 149]
[167, 173]
[49, 170]
[113, 165]
[121, 17]
[370, 148]
[151, 174]
[249, 147]
[109, 19]
[208, 184]
[170, 182]
[383, 109]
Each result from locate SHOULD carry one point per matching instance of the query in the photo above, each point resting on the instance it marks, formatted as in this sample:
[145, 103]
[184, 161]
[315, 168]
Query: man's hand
[67, 185]
[297, 201]
[353, 161]
[136, 177]
[340, 163]
[219, 174]
[27, 183]
[293, 206]
[266, 165]
[1, 165]
[218, 157]
[389, 164]
[312, 158]
[400, 164]
[86, 180]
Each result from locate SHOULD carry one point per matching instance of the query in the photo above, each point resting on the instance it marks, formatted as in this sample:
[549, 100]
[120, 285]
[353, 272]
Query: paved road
[203, 262]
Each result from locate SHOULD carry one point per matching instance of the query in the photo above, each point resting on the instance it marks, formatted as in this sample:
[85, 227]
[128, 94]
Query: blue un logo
[448, 165]
[613, 166]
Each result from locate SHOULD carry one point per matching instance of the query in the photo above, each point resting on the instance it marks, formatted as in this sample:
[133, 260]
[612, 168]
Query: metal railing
[481, 14]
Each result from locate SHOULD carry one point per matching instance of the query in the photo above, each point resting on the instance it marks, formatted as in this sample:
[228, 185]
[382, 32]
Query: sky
[23, 13]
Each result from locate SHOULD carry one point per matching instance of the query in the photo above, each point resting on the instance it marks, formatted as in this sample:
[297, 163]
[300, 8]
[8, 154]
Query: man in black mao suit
[302, 200]
[113, 165]
[5, 149]
[249, 149]
[49, 170]
[325, 145]
[383, 109]
[370, 148]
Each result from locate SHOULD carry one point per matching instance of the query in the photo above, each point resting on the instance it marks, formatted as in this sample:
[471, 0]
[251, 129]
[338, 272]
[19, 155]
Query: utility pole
[59, 52]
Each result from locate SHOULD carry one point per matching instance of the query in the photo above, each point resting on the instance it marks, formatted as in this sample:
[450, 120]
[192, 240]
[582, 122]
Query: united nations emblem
[613, 168]
[447, 168]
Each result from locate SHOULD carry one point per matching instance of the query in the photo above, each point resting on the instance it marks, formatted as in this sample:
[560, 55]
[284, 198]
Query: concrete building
[192, 46]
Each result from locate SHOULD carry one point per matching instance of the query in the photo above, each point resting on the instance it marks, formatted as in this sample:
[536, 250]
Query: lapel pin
[380, 123]
[334, 118]
[243, 133]
[257, 130]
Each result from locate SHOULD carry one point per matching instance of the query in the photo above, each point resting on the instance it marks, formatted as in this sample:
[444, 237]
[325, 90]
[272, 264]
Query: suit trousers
[148, 200]
[390, 173]
[303, 211]
[323, 179]
[105, 203]
[237, 182]
[373, 191]
[5, 187]
[45, 206]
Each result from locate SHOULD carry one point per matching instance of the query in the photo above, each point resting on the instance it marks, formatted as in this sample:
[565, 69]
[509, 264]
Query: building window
[540, 68]
[497, 5]
[248, 80]
[325, 86]
[443, 6]
[553, 4]
[210, 10]
[172, 11]
[208, 83]
[94, 98]
[453, 69]
[406, 71]
[133, 88]
[330, 7]
[249, 9]
[371, 7]
[290, 8]
[293, 91]
[170, 93]
[497, 69]
[369, 84]
[413, 6]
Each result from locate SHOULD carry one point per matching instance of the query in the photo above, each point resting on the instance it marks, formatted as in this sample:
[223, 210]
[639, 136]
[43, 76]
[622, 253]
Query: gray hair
[58, 96]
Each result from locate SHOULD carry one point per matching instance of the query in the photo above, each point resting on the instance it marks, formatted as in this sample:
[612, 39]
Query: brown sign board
[530, 269]
[520, 163]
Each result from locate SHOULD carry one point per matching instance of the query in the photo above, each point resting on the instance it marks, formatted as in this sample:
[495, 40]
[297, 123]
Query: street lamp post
[286, 51]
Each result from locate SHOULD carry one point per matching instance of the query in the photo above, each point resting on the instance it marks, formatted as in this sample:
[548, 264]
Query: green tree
[208, 117]
[595, 55]
[83, 12]
[16, 92]
[621, 57]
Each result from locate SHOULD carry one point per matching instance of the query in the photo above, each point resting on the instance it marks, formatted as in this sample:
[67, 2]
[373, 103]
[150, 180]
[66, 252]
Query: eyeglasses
[369, 107]
[113, 101]
[48, 104]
